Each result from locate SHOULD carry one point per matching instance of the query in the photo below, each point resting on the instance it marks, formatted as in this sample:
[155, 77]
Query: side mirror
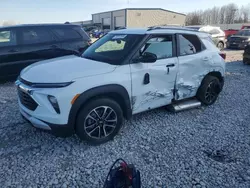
[147, 57]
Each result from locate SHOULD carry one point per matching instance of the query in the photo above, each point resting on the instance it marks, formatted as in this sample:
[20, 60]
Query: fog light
[54, 103]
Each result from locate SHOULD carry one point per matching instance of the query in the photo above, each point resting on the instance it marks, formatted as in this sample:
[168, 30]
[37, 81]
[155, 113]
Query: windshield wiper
[87, 57]
[71, 52]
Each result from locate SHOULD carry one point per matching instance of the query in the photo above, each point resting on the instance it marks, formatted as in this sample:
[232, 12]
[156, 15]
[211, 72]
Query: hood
[64, 69]
[240, 36]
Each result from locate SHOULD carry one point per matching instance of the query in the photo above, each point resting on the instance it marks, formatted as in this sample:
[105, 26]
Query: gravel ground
[204, 147]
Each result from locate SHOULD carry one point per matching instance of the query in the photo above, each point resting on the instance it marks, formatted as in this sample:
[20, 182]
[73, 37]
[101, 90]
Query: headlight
[54, 103]
[50, 85]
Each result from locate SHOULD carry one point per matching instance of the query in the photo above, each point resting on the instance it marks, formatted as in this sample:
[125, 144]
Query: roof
[35, 25]
[236, 26]
[141, 9]
[139, 31]
[158, 30]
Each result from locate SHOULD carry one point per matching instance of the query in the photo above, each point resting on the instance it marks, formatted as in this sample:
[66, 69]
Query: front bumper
[57, 130]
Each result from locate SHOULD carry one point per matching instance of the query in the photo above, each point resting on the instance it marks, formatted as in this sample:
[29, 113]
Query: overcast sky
[52, 11]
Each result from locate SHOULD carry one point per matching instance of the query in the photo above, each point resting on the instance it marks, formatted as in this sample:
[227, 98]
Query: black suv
[23, 45]
[246, 55]
[240, 40]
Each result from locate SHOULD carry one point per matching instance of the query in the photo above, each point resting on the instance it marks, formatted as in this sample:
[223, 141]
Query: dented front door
[153, 83]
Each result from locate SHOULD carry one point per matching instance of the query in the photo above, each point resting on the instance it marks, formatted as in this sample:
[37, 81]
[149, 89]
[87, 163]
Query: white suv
[124, 73]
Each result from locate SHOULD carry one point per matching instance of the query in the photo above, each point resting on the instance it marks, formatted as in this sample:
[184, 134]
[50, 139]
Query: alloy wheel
[211, 93]
[220, 46]
[100, 122]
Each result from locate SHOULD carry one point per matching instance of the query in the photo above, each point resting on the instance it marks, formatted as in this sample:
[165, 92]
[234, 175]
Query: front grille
[237, 40]
[27, 100]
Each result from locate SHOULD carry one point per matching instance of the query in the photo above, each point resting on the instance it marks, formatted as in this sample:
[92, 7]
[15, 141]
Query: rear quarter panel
[193, 69]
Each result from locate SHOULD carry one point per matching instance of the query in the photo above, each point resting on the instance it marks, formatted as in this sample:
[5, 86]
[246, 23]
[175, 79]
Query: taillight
[223, 55]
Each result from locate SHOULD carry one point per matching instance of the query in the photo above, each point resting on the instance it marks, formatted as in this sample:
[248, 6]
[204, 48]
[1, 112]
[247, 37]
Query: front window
[243, 33]
[112, 48]
[161, 46]
[214, 32]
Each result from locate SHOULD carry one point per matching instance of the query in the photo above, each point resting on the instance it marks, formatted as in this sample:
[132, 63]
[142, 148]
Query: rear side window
[189, 44]
[214, 32]
[207, 41]
[66, 33]
[7, 38]
[83, 33]
[161, 46]
[36, 36]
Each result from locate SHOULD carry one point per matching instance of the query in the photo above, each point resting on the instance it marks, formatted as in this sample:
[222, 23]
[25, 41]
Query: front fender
[104, 90]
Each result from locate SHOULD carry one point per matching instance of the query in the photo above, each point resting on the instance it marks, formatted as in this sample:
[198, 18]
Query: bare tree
[194, 18]
[215, 13]
[226, 14]
[207, 17]
[230, 13]
[245, 14]
[222, 14]
[8, 23]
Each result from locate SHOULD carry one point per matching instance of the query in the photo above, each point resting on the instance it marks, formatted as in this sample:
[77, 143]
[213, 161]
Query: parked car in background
[97, 33]
[90, 29]
[126, 72]
[23, 45]
[247, 26]
[230, 32]
[240, 40]
[246, 55]
[217, 34]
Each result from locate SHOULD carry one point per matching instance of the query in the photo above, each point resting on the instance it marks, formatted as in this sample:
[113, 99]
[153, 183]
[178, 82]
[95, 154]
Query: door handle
[205, 59]
[168, 66]
[13, 50]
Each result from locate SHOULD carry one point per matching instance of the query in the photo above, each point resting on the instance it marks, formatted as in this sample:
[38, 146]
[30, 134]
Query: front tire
[99, 121]
[209, 90]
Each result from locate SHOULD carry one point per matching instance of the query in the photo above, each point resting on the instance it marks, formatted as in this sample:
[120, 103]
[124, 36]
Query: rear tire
[99, 121]
[246, 61]
[209, 90]
[220, 45]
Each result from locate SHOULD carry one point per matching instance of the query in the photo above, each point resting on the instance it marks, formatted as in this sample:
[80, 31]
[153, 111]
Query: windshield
[112, 48]
[243, 33]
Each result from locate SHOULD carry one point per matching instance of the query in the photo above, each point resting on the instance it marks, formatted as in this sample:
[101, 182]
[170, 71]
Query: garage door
[106, 21]
[119, 22]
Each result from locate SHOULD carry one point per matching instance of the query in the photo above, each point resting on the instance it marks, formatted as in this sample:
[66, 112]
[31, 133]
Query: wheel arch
[112, 91]
[221, 41]
[218, 75]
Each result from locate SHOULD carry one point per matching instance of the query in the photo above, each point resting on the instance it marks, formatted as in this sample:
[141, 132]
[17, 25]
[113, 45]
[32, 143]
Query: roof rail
[171, 27]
